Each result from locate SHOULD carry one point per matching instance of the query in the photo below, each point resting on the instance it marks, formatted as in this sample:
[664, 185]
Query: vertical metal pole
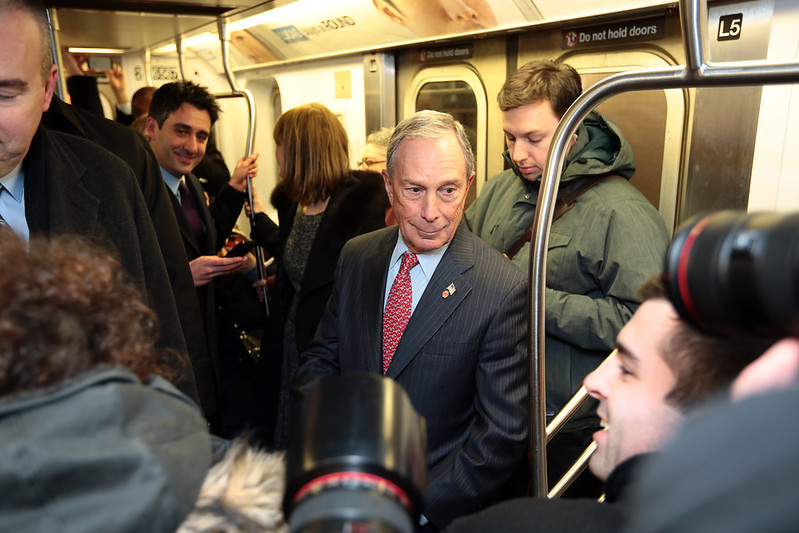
[693, 20]
[224, 38]
[181, 62]
[692, 15]
[148, 73]
[55, 44]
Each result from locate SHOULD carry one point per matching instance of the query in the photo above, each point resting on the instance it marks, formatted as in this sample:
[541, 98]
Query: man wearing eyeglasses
[374, 159]
[374, 153]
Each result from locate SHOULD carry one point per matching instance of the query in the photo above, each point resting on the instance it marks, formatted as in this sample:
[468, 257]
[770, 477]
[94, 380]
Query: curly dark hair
[67, 307]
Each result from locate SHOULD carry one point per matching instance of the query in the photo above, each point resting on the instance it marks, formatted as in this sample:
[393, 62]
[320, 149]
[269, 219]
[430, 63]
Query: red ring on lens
[353, 478]
[682, 267]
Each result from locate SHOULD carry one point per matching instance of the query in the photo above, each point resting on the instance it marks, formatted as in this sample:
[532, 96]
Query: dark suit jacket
[73, 186]
[562, 515]
[462, 360]
[135, 151]
[358, 206]
[218, 220]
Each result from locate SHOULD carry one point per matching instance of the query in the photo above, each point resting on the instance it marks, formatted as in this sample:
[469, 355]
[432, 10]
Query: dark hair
[67, 307]
[555, 82]
[315, 152]
[36, 10]
[702, 363]
[169, 97]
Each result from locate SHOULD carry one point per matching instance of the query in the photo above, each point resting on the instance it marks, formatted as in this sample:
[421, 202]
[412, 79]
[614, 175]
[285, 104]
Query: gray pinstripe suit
[462, 360]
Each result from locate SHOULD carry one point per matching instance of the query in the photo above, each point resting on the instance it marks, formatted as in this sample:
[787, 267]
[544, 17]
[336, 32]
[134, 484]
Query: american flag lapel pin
[449, 290]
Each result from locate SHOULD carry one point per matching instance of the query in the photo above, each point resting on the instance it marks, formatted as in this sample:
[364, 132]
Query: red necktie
[192, 214]
[398, 308]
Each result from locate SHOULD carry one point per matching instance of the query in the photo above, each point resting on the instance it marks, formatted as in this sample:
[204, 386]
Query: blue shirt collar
[14, 184]
[428, 261]
[172, 182]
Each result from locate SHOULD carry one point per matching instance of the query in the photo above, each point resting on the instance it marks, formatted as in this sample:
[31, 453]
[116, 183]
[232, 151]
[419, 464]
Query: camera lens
[730, 270]
[357, 461]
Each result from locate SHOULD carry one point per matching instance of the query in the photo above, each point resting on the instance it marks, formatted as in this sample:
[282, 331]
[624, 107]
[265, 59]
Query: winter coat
[599, 252]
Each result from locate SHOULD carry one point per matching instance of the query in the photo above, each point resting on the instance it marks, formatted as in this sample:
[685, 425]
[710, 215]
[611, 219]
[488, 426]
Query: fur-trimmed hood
[242, 493]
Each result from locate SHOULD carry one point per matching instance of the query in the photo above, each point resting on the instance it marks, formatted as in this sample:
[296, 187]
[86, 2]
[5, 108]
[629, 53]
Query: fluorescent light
[77, 50]
[288, 9]
[194, 40]
[255, 20]
[265, 17]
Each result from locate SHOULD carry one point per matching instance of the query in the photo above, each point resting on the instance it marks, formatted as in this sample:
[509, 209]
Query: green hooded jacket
[599, 253]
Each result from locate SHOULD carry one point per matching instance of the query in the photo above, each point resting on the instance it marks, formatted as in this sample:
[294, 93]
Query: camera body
[732, 270]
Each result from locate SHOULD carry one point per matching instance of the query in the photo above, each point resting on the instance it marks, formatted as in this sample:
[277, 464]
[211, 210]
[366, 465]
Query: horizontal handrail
[576, 469]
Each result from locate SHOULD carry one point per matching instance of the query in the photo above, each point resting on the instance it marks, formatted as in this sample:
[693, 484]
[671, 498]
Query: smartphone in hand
[241, 249]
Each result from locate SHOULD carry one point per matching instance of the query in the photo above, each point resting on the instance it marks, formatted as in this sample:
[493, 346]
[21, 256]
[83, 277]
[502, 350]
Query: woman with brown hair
[321, 204]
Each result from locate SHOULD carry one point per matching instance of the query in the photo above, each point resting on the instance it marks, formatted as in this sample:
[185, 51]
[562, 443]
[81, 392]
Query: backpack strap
[563, 205]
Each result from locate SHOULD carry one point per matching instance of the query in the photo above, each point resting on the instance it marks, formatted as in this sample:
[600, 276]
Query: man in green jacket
[600, 251]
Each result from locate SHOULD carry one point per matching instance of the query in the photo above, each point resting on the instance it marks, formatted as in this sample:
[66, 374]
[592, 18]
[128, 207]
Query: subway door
[652, 122]
[453, 79]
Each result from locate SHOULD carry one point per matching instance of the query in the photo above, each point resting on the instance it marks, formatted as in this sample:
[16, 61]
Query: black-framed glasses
[369, 162]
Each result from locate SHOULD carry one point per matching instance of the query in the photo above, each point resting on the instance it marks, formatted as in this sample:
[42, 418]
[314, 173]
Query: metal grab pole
[55, 45]
[697, 73]
[576, 469]
[148, 70]
[572, 406]
[558, 422]
[181, 58]
[224, 39]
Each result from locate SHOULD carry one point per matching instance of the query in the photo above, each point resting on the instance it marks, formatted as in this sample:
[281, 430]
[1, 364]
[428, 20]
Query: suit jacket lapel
[433, 308]
[54, 175]
[374, 285]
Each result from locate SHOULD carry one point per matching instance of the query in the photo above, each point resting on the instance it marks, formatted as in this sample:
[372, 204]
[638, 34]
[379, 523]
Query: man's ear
[469, 181]
[387, 183]
[150, 127]
[49, 87]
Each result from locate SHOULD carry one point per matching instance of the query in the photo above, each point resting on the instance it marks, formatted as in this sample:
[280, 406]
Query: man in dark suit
[462, 355]
[179, 123]
[134, 149]
[55, 184]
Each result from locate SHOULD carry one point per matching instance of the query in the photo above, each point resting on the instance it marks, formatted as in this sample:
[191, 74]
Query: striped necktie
[192, 213]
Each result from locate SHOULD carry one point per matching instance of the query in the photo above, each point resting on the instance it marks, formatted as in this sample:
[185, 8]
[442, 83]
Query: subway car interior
[705, 91]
